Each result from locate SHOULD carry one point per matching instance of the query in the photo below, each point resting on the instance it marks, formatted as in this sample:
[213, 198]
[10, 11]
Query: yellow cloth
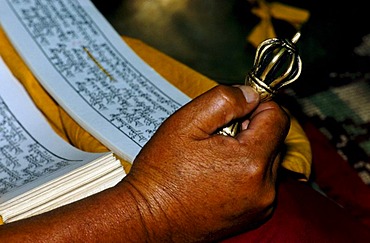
[266, 11]
[297, 158]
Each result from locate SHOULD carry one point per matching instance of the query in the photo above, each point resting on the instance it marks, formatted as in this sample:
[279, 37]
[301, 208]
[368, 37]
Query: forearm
[108, 216]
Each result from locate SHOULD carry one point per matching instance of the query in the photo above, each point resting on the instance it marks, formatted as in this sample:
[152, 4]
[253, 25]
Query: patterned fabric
[343, 115]
[342, 110]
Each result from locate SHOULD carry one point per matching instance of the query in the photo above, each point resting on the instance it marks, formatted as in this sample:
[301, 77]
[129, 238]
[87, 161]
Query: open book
[40, 171]
[90, 71]
[103, 85]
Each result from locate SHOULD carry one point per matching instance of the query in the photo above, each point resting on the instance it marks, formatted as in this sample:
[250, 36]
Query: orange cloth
[192, 83]
[266, 11]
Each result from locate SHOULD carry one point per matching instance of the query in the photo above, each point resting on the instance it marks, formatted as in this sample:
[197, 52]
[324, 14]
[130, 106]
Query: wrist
[162, 215]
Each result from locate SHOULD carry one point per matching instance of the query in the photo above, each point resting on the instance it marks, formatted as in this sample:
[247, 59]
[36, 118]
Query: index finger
[214, 109]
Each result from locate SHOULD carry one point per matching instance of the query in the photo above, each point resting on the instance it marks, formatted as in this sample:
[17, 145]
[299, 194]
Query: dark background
[210, 35]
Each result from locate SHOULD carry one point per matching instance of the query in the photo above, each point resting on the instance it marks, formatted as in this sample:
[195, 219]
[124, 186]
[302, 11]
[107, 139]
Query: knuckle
[267, 199]
[226, 95]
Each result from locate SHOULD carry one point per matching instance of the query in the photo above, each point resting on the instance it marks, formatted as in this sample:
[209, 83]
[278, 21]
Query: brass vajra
[276, 65]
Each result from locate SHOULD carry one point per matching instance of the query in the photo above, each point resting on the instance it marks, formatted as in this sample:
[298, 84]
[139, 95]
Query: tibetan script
[105, 77]
[30, 151]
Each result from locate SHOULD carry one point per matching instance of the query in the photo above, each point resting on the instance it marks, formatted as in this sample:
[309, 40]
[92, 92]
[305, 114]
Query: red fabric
[336, 177]
[304, 215]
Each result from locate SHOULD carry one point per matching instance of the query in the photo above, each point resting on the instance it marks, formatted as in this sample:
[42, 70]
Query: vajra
[276, 64]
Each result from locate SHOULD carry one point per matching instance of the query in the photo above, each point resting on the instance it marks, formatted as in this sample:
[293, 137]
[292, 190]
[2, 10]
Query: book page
[31, 153]
[90, 71]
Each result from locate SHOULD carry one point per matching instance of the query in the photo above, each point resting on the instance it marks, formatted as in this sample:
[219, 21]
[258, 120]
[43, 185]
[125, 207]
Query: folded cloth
[267, 11]
[298, 154]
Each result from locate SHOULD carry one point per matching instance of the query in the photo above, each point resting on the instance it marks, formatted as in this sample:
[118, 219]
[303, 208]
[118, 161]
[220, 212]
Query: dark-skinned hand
[187, 184]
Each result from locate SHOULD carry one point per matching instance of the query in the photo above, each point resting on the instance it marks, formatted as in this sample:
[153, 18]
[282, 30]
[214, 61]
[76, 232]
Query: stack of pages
[40, 171]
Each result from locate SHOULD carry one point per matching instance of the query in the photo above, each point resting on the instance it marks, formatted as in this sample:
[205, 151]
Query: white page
[85, 190]
[88, 69]
[31, 153]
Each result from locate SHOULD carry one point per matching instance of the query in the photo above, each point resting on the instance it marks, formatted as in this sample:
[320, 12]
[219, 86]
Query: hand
[195, 184]
[187, 183]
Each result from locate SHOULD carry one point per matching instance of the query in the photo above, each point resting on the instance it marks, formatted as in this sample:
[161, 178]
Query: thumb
[214, 109]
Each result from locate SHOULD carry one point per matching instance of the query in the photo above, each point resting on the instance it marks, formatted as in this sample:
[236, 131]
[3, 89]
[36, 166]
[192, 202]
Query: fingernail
[250, 94]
